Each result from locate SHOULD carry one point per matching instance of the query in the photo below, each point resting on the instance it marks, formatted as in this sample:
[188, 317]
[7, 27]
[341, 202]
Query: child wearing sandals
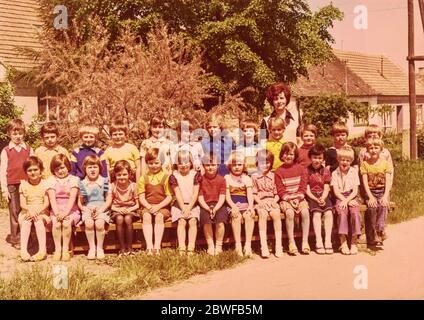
[239, 197]
[345, 183]
[124, 205]
[291, 180]
[320, 205]
[155, 197]
[95, 200]
[266, 197]
[376, 174]
[184, 182]
[62, 189]
[212, 204]
[34, 204]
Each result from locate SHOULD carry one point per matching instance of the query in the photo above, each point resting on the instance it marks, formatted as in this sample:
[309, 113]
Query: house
[19, 25]
[370, 79]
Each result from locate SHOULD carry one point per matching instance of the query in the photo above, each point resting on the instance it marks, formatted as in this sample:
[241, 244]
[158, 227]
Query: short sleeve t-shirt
[185, 183]
[154, 179]
[124, 197]
[238, 184]
[376, 173]
[318, 178]
[46, 155]
[264, 185]
[34, 194]
[127, 152]
[212, 187]
[275, 148]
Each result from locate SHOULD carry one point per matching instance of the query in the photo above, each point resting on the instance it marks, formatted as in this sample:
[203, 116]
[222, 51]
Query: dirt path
[395, 273]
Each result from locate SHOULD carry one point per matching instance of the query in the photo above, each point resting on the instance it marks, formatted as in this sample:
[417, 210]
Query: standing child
[291, 180]
[376, 173]
[248, 146]
[49, 133]
[239, 198]
[319, 202]
[308, 134]
[95, 200]
[88, 136]
[120, 149]
[157, 140]
[266, 197]
[212, 205]
[13, 157]
[124, 204]
[218, 143]
[62, 189]
[373, 131]
[275, 142]
[185, 130]
[155, 197]
[340, 132]
[345, 183]
[185, 184]
[34, 204]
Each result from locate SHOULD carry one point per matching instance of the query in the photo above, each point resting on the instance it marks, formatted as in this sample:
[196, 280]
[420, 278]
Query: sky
[387, 31]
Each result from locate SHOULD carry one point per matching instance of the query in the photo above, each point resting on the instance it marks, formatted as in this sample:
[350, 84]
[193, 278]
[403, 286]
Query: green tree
[251, 43]
[323, 111]
[8, 109]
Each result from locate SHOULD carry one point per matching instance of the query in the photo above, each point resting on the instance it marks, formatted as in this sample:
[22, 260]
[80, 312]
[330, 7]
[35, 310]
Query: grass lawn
[132, 276]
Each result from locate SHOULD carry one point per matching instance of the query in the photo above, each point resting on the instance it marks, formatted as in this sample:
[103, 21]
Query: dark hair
[287, 147]
[120, 166]
[264, 154]
[316, 150]
[92, 160]
[15, 125]
[49, 127]
[33, 161]
[118, 125]
[275, 89]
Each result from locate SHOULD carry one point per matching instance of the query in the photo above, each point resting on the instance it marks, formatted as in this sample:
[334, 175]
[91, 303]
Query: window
[361, 121]
[419, 114]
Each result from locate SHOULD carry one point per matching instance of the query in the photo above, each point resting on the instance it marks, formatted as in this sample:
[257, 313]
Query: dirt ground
[397, 272]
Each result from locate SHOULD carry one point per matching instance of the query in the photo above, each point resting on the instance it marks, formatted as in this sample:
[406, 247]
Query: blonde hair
[373, 128]
[346, 152]
[234, 158]
[374, 142]
[88, 129]
[276, 123]
[339, 127]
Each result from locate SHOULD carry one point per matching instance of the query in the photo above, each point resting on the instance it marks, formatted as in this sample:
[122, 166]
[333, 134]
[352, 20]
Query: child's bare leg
[57, 237]
[290, 225]
[328, 227]
[159, 228]
[25, 232]
[236, 225]
[100, 235]
[89, 233]
[148, 230]
[67, 232]
[192, 234]
[181, 234]
[129, 230]
[249, 224]
[207, 230]
[317, 229]
[305, 228]
[40, 230]
[263, 216]
[119, 221]
[219, 234]
[276, 219]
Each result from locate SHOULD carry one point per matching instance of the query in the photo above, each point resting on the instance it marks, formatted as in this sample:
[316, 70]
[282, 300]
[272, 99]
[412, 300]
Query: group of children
[214, 182]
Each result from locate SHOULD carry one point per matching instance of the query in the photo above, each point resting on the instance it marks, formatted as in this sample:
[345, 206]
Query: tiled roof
[19, 22]
[379, 72]
[331, 78]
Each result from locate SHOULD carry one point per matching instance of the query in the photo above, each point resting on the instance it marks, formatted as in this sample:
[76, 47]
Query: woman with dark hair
[278, 95]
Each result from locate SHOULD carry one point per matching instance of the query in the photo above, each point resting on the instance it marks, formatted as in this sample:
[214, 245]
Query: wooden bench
[79, 241]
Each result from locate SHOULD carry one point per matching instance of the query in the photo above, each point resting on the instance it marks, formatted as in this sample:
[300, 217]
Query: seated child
[212, 205]
[34, 205]
[239, 198]
[124, 205]
[291, 180]
[184, 182]
[345, 183]
[155, 197]
[266, 197]
[376, 174]
[62, 189]
[319, 202]
[95, 200]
